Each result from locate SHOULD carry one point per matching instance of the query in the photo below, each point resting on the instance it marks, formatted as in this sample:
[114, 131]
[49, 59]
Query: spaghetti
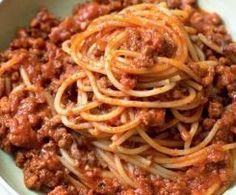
[108, 36]
[134, 102]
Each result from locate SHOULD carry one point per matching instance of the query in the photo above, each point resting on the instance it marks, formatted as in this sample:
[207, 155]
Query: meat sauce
[30, 132]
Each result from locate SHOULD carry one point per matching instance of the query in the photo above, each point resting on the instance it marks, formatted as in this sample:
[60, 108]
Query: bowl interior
[15, 14]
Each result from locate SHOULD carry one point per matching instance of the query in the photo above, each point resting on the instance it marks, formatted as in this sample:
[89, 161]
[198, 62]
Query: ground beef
[62, 137]
[43, 22]
[149, 44]
[180, 3]
[225, 76]
[174, 3]
[168, 187]
[227, 121]
[63, 190]
[43, 170]
[145, 60]
[79, 21]
[208, 76]
[229, 116]
[210, 24]
[103, 82]
[204, 21]
[188, 3]
[215, 154]
[153, 117]
[128, 82]
[21, 134]
[215, 109]
[233, 129]
[230, 49]
[208, 123]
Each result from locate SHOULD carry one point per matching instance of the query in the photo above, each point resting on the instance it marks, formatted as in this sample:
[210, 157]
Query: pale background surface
[15, 13]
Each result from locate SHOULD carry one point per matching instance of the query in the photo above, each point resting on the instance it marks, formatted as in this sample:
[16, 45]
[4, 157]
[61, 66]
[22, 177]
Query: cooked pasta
[122, 99]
